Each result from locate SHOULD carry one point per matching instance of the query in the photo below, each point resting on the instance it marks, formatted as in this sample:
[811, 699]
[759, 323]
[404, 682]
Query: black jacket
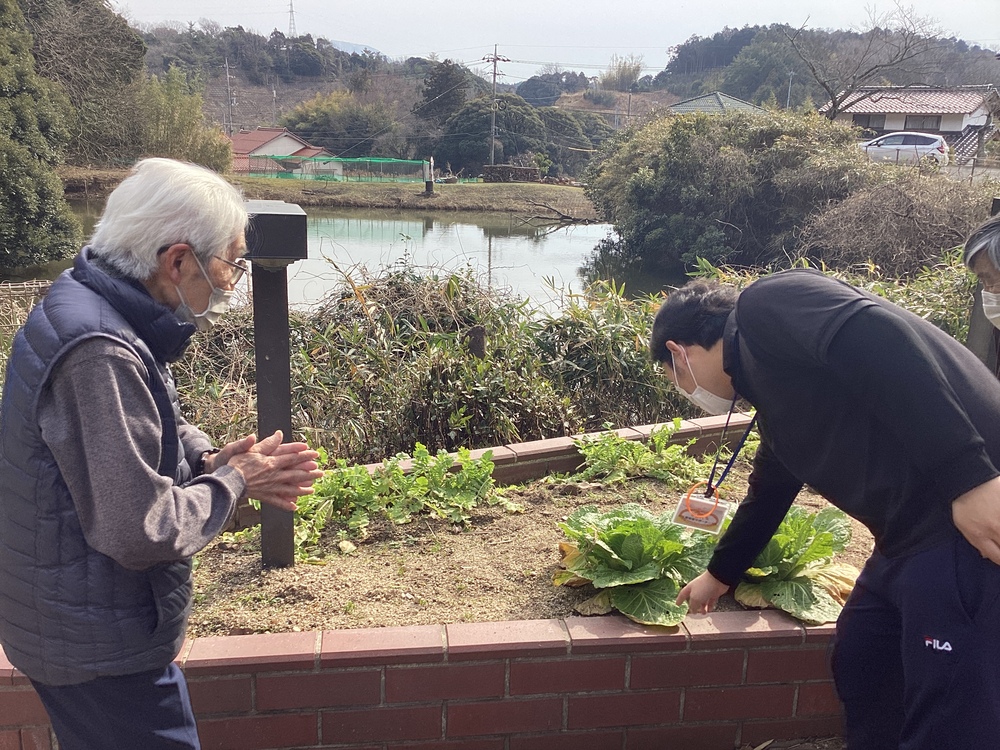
[874, 408]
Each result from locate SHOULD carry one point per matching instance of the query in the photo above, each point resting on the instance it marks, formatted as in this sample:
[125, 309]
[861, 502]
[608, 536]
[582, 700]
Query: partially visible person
[106, 492]
[898, 425]
[982, 256]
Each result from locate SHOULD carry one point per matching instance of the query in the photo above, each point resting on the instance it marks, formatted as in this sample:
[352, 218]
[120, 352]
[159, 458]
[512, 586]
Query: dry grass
[84, 183]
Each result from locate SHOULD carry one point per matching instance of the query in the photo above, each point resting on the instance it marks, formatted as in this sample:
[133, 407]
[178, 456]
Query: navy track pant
[145, 711]
[916, 659]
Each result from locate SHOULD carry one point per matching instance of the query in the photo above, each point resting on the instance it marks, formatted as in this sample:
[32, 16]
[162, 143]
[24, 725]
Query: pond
[500, 249]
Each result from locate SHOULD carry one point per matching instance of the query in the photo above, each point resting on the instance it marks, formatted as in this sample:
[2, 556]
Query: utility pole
[291, 21]
[788, 99]
[229, 98]
[493, 109]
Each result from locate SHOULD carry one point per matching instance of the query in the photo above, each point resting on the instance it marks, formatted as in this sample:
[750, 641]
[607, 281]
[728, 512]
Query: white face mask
[218, 304]
[701, 397]
[991, 307]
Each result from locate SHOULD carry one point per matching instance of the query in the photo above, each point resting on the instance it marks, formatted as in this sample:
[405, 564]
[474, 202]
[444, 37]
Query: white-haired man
[982, 256]
[106, 491]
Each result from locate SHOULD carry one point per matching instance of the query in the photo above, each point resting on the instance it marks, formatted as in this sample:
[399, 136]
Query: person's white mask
[218, 304]
[991, 307]
[701, 397]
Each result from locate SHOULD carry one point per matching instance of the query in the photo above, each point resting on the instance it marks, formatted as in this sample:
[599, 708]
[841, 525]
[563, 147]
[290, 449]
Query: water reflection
[500, 249]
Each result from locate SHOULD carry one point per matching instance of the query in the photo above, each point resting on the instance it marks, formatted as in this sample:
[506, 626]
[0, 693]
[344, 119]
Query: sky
[575, 35]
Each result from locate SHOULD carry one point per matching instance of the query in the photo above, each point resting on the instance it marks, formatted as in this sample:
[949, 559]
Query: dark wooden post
[276, 238]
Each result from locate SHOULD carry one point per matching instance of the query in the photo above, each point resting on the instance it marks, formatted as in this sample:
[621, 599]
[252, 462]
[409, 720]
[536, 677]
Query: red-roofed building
[962, 114]
[252, 147]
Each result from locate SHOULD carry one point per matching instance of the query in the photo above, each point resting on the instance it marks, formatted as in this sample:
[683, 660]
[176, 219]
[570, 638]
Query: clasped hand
[276, 473]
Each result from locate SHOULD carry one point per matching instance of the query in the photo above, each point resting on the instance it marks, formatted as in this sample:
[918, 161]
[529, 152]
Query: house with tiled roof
[964, 115]
[714, 103]
[252, 150]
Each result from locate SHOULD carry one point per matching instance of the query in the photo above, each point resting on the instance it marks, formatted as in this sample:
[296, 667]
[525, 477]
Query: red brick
[222, 696]
[10, 739]
[757, 629]
[258, 732]
[566, 676]
[416, 644]
[21, 707]
[689, 429]
[36, 738]
[6, 671]
[626, 433]
[235, 654]
[616, 634]
[686, 670]
[547, 448]
[766, 702]
[323, 690]
[624, 710]
[382, 724]
[504, 717]
[692, 737]
[818, 699]
[820, 634]
[787, 665]
[589, 740]
[422, 684]
[495, 743]
[501, 456]
[513, 638]
[757, 732]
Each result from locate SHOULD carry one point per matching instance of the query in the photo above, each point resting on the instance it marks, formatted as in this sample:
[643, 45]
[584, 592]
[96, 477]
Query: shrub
[729, 188]
[900, 224]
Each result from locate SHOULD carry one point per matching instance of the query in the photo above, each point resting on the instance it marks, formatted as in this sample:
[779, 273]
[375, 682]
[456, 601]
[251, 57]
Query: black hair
[694, 314]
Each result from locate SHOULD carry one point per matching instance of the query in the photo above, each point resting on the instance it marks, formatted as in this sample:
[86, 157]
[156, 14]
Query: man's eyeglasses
[239, 266]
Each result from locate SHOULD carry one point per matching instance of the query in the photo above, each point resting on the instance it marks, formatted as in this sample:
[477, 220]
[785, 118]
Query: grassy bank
[519, 198]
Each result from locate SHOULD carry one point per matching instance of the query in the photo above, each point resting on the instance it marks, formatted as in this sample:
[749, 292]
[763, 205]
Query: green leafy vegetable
[795, 571]
[643, 559]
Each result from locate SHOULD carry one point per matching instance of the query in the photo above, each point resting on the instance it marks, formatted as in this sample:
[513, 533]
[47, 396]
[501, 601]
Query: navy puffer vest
[68, 613]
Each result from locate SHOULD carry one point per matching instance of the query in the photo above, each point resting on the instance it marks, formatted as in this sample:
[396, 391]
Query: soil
[427, 572]
[498, 568]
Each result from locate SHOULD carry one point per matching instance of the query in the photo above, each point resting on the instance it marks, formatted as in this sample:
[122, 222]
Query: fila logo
[935, 644]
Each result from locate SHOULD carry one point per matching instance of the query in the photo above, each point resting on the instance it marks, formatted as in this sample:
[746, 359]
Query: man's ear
[171, 260]
[674, 348]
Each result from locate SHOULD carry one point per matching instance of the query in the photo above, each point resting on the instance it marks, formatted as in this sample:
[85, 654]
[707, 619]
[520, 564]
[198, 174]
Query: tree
[568, 147]
[768, 69]
[98, 61]
[36, 224]
[896, 44]
[623, 73]
[444, 92]
[544, 89]
[341, 124]
[729, 188]
[173, 124]
[466, 141]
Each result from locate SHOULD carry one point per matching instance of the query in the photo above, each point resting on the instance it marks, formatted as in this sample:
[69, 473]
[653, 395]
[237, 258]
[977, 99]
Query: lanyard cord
[711, 488]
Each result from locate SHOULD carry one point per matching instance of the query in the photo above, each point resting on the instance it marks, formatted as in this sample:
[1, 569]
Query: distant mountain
[351, 47]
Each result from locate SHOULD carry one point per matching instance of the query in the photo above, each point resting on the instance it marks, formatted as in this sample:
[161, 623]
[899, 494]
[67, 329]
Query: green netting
[371, 169]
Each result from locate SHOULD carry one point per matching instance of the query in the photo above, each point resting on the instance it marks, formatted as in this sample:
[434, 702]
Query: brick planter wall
[715, 683]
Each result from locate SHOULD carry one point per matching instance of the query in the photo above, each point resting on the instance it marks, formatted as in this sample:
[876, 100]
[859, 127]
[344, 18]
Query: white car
[907, 148]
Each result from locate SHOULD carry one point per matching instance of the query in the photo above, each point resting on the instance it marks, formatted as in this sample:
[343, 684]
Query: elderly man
[106, 492]
[898, 425]
[982, 255]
